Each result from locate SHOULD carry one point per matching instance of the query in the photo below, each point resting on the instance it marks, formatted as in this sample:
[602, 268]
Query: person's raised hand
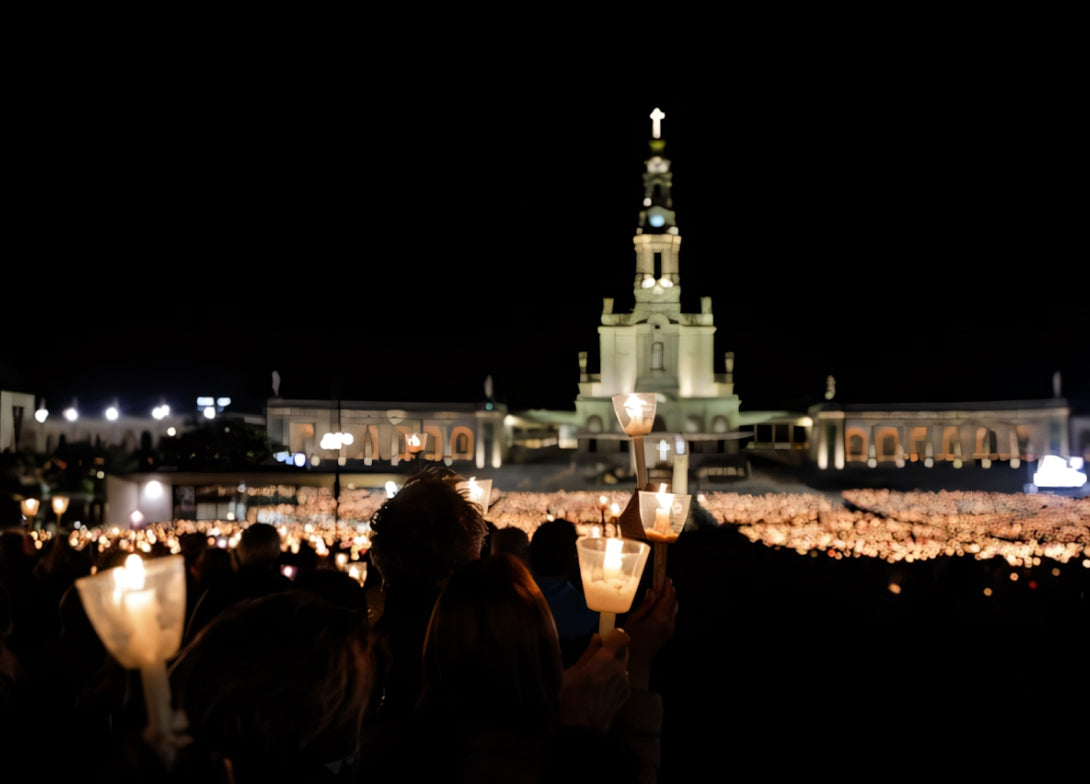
[649, 627]
[595, 688]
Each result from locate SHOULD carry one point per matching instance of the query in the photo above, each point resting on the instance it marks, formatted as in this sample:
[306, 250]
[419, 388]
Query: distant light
[648, 282]
[153, 490]
[223, 402]
[161, 411]
[71, 414]
[300, 459]
[41, 414]
[1054, 471]
[209, 412]
[391, 489]
[171, 431]
[205, 402]
[112, 413]
[666, 283]
[334, 441]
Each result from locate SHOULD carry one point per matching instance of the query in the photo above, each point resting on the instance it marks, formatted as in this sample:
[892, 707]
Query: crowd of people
[468, 655]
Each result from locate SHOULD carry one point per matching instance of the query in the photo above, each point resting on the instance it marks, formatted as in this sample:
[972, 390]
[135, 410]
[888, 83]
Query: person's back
[553, 561]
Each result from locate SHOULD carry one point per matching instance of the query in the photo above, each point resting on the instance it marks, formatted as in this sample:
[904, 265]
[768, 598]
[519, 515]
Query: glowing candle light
[479, 493]
[635, 412]
[663, 515]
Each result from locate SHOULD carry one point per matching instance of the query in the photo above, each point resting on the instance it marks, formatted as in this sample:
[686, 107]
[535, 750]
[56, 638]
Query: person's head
[425, 530]
[280, 682]
[552, 549]
[258, 547]
[491, 648]
[512, 540]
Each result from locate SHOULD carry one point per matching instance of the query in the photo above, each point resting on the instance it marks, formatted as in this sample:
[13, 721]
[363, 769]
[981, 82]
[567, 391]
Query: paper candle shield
[477, 491]
[635, 412]
[139, 621]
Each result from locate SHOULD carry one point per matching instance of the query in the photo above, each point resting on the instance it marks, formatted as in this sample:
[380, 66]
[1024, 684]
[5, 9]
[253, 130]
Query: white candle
[142, 612]
[140, 609]
[611, 563]
[634, 408]
[611, 590]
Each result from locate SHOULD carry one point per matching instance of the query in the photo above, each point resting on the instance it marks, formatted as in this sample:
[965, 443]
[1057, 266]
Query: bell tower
[657, 286]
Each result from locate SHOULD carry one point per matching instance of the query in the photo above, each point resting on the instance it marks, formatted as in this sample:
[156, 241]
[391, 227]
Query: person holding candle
[496, 704]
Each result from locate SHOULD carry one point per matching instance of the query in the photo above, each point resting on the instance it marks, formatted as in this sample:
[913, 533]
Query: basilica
[700, 429]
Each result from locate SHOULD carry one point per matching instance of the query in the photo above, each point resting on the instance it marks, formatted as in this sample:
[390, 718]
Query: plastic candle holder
[611, 569]
[138, 611]
[663, 516]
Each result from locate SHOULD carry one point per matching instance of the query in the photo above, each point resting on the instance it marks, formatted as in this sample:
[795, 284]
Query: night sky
[910, 229]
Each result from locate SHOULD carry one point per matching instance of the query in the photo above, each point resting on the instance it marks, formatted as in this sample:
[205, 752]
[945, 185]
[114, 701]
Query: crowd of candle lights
[1022, 529]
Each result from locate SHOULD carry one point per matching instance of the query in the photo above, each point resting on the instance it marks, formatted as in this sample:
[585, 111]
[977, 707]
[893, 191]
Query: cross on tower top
[657, 117]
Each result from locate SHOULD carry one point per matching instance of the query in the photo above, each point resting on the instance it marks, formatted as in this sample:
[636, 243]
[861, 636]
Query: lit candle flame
[611, 564]
[130, 577]
[633, 406]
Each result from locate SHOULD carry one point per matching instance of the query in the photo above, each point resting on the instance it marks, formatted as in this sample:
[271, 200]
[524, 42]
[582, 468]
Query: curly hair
[426, 529]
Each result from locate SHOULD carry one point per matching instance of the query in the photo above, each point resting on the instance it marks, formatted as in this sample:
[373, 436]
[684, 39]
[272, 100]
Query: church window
[857, 444]
[461, 443]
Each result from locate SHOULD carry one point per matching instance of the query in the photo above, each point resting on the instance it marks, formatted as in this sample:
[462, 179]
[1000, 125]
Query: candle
[358, 572]
[611, 563]
[140, 610]
[634, 408]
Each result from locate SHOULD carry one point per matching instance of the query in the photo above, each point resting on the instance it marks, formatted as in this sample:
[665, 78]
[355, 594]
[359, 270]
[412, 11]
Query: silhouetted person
[275, 688]
[418, 537]
[256, 572]
[554, 562]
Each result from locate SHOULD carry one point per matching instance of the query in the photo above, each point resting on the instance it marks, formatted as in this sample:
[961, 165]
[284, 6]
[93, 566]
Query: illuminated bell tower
[656, 347]
[657, 287]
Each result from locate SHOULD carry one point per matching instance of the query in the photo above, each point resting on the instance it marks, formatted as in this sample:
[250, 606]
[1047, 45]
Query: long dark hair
[492, 651]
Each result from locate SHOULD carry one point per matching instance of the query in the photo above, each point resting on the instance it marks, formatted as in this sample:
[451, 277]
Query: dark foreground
[798, 664]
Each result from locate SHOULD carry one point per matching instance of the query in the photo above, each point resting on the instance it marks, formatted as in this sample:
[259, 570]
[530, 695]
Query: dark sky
[909, 227]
